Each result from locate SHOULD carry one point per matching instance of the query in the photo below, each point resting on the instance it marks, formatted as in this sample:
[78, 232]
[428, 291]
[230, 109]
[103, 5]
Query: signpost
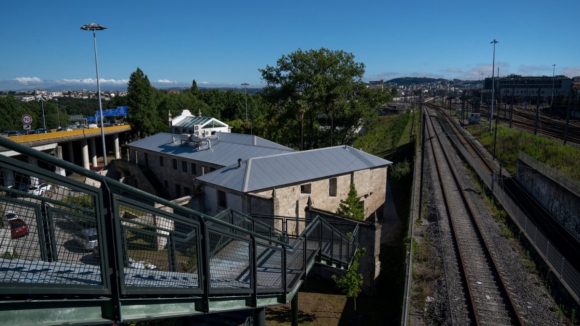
[26, 119]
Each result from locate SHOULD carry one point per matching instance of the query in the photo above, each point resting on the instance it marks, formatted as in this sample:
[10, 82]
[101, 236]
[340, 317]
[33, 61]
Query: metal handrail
[286, 218]
[107, 204]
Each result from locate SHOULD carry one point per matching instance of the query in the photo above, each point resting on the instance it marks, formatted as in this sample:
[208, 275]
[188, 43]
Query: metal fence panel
[49, 227]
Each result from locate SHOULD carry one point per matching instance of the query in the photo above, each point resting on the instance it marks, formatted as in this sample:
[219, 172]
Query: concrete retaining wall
[556, 199]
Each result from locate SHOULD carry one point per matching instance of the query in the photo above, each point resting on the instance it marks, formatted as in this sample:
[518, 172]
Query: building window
[193, 168]
[166, 184]
[183, 166]
[187, 191]
[175, 164]
[221, 199]
[177, 191]
[146, 160]
[332, 187]
[160, 160]
[306, 189]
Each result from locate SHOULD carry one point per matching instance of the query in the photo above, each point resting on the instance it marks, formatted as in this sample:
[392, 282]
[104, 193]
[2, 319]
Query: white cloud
[453, 70]
[27, 80]
[204, 82]
[570, 71]
[166, 81]
[91, 81]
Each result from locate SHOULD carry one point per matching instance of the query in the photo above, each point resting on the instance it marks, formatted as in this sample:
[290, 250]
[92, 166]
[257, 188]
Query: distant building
[529, 86]
[376, 84]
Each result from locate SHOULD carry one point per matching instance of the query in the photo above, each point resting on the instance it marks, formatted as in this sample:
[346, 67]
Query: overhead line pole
[494, 42]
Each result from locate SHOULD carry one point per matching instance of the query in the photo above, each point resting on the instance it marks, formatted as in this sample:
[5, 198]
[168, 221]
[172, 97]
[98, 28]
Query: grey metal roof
[225, 149]
[273, 171]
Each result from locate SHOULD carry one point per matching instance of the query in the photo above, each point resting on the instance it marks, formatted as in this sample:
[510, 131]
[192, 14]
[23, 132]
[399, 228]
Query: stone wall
[370, 185]
[168, 174]
[130, 174]
[563, 204]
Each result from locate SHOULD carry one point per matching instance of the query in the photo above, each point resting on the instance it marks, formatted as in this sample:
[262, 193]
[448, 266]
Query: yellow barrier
[62, 134]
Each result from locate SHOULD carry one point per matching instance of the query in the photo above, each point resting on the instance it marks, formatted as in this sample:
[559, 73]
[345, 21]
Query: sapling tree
[350, 282]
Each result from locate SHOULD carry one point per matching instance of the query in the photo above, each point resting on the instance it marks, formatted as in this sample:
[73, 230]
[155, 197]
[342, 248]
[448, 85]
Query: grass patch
[550, 152]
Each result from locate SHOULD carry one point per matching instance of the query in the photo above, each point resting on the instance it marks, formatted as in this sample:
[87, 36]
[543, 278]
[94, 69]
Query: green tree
[315, 83]
[351, 206]
[143, 115]
[194, 90]
[350, 282]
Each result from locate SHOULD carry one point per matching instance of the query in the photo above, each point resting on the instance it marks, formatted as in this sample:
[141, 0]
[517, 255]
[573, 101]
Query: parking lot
[28, 247]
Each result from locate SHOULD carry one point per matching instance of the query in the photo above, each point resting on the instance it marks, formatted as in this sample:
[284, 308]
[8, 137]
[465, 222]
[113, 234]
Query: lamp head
[93, 27]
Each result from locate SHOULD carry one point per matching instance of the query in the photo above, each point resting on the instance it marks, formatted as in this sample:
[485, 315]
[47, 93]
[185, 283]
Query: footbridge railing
[102, 251]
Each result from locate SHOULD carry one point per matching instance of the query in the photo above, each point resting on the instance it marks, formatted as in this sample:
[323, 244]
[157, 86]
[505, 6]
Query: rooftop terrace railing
[104, 251]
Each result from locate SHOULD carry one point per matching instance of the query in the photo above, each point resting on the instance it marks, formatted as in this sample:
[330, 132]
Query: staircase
[152, 263]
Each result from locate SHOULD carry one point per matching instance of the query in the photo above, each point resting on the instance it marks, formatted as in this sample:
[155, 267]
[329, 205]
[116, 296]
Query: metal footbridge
[101, 251]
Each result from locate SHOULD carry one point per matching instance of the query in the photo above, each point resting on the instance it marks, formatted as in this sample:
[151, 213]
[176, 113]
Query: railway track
[524, 119]
[489, 298]
[474, 150]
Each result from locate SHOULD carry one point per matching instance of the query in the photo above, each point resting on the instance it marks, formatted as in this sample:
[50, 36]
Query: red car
[18, 228]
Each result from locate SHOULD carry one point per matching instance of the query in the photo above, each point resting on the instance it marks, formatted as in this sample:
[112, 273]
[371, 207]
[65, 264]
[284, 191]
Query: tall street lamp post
[246, 94]
[96, 27]
[494, 42]
[553, 78]
[57, 113]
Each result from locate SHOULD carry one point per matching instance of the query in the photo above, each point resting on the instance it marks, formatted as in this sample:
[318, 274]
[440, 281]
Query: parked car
[18, 228]
[87, 238]
[41, 131]
[141, 264]
[11, 215]
[11, 133]
[40, 189]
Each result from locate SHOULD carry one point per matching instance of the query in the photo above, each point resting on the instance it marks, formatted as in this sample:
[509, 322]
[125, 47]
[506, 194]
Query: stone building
[173, 161]
[285, 184]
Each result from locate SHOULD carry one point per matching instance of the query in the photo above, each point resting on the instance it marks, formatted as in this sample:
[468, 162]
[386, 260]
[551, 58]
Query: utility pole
[537, 112]
[568, 114]
[553, 78]
[494, 42]
[496, 120]
[512, 105]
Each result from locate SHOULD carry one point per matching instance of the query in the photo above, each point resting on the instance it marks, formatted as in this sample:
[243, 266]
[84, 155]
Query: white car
[11, 215]
[141, 264]
[40, 189]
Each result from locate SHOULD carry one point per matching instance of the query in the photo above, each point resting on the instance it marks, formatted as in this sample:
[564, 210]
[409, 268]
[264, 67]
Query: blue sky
[224, 43]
